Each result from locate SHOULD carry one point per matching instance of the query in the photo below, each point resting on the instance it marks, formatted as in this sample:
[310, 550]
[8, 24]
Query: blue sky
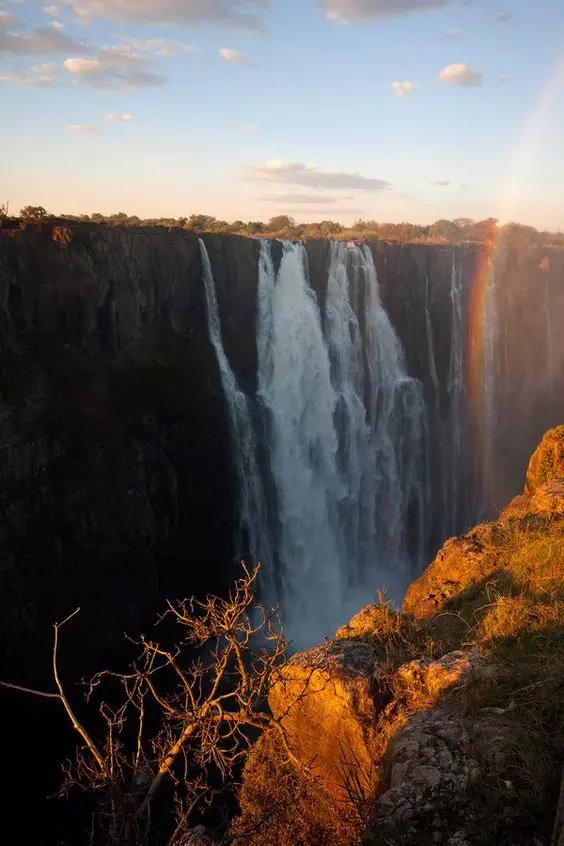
[383, 109]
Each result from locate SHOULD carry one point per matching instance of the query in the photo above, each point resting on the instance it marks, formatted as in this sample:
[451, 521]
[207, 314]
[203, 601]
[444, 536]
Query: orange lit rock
[446, 576]
[547, 461]
[324, 698]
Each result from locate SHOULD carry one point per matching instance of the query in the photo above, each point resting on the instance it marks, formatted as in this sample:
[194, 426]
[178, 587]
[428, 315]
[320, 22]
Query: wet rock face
[115, 480]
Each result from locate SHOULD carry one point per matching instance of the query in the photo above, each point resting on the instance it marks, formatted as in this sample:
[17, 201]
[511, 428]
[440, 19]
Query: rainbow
[529, 139]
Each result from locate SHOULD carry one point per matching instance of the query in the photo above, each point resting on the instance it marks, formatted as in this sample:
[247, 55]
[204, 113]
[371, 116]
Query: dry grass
[282, 807]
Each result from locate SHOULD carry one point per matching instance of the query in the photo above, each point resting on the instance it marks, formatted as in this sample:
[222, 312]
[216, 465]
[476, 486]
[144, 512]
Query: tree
[33, 214]
[201, 222]
[279, 223]
[446, 229]
[183, 715]
[330, 227]
[255, 227]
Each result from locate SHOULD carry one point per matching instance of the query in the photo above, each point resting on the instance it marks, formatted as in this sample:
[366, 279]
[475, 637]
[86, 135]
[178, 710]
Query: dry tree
[184, 715]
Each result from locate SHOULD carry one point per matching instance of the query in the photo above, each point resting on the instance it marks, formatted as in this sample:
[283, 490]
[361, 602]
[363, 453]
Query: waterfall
[336, 455]
[345, 436]
[355, 457]
[295, 387]
[251, 500]
[396, 417]
[329, 453]
[454, 463]
[489, 380]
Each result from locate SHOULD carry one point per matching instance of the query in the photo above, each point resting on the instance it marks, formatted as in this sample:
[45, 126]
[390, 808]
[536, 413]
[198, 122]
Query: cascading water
[345, 432]
[454, 428]
[295, 387]
[336, 455]
[251, 499]
[489, 378]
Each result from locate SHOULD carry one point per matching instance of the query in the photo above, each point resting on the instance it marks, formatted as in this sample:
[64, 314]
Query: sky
[387, 110]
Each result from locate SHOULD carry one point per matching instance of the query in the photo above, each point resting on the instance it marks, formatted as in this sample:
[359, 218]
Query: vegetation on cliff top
[458, 231]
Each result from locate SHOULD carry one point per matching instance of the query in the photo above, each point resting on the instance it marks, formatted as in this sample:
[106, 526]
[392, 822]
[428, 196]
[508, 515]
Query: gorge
[328, 408]
[171, 404]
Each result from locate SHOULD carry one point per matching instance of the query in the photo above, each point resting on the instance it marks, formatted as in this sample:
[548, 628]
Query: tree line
[457, 231]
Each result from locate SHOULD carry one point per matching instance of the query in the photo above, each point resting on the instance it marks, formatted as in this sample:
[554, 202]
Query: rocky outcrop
[547, 461]
[453, 706]
[474, 556]
[431, 771]
[325, 700]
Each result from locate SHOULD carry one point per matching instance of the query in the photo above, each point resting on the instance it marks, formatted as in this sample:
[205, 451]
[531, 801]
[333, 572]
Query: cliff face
[442, 723]
[117, 465]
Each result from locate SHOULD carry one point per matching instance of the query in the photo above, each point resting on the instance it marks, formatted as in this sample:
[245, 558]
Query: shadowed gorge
[336, 410]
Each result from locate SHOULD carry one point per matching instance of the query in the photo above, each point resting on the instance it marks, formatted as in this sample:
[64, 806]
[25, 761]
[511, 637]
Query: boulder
[547, 461]
[429, 770]
[370, 620]
[324, 698]
[427, 680]
[456, 564]
[546, 501]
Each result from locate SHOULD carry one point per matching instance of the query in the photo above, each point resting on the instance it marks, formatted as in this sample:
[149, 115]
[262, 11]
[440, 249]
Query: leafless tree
[185, 715]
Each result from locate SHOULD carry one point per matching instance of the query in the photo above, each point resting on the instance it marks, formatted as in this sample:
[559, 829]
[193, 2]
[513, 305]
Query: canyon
[170, 404]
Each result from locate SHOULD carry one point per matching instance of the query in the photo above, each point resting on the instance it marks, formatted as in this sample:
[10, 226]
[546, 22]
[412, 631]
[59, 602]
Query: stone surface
[431, 679]
[547, 461]
[430, 768]
[457, 561]
[370, 620]
[325, 700]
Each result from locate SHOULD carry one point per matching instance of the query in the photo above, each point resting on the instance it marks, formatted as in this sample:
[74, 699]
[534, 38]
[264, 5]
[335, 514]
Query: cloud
[453, 34]
[40, 75]
[115, 118]
[8, 21]
[42, 39]
[503, 16]
[460, 75]
[84, 129]
[53, 11]
[309, 175]
[503, 78]
[229, 55]
[402, 89]
[351, 11]
[57, 25]
[160, 46]
[251, 128]
[114, 67]
[440, 183]
[325, 210]
[305, 199]
[244, 14]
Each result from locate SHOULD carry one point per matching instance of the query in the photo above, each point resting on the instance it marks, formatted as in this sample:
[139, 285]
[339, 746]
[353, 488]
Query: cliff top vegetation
[458, 231]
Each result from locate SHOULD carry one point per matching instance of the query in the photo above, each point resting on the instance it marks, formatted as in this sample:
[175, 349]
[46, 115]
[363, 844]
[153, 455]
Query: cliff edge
[442, 723]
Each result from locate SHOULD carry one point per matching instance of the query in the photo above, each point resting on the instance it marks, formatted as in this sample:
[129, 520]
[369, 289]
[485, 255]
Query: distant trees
[446, 230]
[279, 223]
[33, 214]
[455, 231]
